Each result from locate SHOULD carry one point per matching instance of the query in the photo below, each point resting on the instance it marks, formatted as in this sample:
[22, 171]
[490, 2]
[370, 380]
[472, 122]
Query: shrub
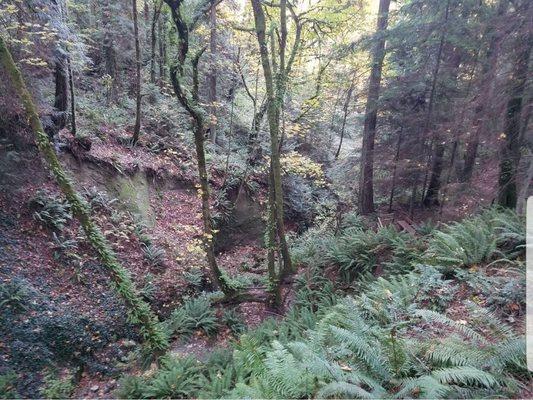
[233, 320]
[153, 254]
[99, 200]
[52, 211]
[66, 249]
[148, 289]
[372, 347]
[464, 243]
[8, 387]
[177, 378]
[57, 388]
[357, 251]
[195, 314]
[14, 296]
[195, 278]
[510, 229]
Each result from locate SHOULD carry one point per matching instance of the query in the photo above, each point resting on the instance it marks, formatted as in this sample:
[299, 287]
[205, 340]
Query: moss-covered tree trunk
[275, 94]
[137, 126]
[139, 312]
[190, 101]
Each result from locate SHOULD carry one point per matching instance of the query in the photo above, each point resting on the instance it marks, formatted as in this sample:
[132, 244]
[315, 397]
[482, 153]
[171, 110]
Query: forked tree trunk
[366, 181]
[139, 311]
[274, 100]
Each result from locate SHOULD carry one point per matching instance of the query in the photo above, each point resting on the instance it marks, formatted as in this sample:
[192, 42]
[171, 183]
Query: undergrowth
[397, 337]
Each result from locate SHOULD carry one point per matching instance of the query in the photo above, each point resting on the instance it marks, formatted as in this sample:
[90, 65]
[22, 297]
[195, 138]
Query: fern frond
[464, 375]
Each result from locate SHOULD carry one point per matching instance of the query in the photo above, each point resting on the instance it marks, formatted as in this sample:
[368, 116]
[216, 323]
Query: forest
[265, 199]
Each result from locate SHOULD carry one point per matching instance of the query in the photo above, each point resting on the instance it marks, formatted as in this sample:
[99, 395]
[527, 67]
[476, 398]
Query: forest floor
[172, 221]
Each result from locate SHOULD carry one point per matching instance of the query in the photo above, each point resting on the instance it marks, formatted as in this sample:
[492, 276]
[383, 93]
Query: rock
[129, 343]
[95, 388]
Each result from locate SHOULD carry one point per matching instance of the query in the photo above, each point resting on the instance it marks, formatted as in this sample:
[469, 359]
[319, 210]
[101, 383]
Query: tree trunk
[344, 116]
[366, 181]
[395, 167]
[488, 71]
[61, 92]
[510, 150]
[153, 39]
[432, 192]
[190, 101]
[73, 127]
[137, 127]
[139, 311]
[108, 48]
[213, 73]
[273, 115]
[162, 48]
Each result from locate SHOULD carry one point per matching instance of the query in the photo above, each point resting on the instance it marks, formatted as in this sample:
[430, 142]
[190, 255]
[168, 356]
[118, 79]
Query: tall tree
[137, 126]
[189, 99]
[275, 85]
[366, 181]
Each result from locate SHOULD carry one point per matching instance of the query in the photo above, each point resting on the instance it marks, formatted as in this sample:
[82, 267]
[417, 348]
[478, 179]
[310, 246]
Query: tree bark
[108, 48]
[137, 126]
[189, 99]
[161, 24]
[395, 167]
[73, 127]
[432, 192]
[366, 181]
[153, 38]
[61, 92]
[139, 311]
[274, 101]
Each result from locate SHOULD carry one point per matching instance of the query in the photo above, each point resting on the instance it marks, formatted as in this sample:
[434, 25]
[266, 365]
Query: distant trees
[511, 137]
